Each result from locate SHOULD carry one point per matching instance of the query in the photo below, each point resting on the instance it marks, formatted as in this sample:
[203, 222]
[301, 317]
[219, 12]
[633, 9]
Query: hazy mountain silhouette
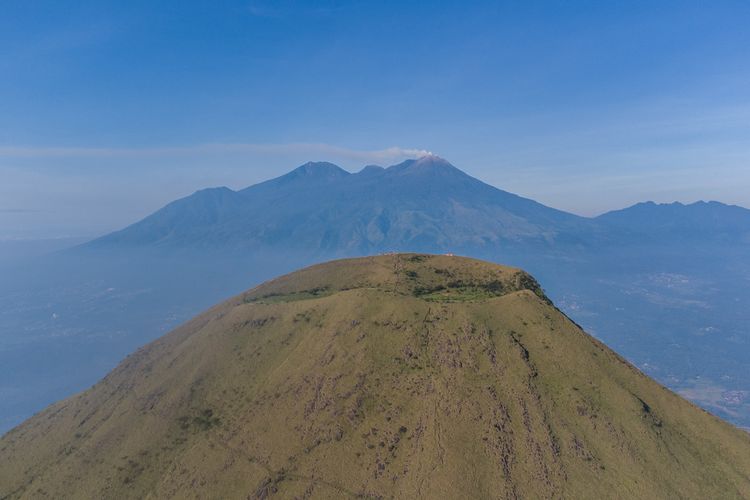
[321, 208]
[424, 204]
[675, 222]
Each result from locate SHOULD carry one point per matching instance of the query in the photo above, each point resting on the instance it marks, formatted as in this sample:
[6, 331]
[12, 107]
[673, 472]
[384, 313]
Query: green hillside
[406, 376]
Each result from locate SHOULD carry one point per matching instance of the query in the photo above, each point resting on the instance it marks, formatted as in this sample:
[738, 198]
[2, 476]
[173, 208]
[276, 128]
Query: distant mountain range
[319, 207]
[423, 204]
[665, 285]
[674, 221]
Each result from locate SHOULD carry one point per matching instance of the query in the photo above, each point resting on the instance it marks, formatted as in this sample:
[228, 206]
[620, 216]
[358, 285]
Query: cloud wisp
[18, 210]
[393, 153]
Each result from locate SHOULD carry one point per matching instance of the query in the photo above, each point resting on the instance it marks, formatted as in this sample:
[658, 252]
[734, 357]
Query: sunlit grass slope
[407, 376]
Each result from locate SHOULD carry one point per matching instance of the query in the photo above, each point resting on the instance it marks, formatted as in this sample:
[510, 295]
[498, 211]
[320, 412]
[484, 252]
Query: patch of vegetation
[461, 291]
[312, 293]
[204, 421]
[526, 282]
[494, 286]
[421, 291]
[441, 271]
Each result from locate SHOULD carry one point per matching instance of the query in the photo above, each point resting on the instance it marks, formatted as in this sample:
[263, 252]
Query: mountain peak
[311, 171]
[434, 160]
[304, 216]
[673, 207]
[425, 164]
[320, 169]
[435, 277]
[386, 376]
[371, 169]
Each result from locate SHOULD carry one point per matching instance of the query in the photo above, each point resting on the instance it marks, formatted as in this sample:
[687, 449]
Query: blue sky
[108, 110]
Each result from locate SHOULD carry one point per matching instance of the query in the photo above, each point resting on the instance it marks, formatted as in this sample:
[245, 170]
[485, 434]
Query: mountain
[411, 376]
[675, 222]
[320, 208]
[667, 286]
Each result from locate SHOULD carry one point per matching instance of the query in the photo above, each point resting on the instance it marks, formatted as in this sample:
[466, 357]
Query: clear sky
[108, 110]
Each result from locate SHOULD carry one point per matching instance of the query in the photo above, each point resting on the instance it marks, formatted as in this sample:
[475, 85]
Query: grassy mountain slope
[402, 375]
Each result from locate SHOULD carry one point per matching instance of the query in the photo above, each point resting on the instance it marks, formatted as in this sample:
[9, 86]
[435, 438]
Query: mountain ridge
[415, 196]
[427, 203]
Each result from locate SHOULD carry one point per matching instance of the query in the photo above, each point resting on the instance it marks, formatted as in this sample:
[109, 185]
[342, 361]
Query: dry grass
[365, 378]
